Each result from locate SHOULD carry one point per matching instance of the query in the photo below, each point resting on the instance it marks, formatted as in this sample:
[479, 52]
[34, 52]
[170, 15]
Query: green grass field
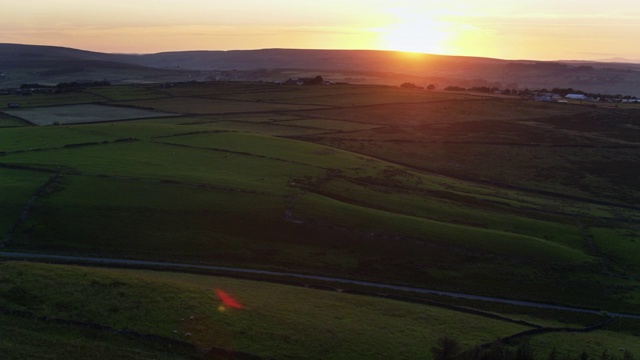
[328, 124]
[22, 139]
[272, 129]
[342, 95]
[37, 100]
[127, 92]
[10, 121]
[79, 114]
[499, 197]
[22, 338]
[197, 105]
[302, 321]
[18, 187]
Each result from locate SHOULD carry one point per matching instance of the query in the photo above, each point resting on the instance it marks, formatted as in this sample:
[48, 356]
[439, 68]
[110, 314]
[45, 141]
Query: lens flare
[227, 301]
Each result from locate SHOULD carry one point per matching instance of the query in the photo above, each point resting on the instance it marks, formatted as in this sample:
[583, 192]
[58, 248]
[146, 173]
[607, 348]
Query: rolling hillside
[360, 66]
[311, 192]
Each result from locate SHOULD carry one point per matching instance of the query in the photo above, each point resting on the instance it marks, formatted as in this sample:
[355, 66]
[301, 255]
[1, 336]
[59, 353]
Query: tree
[431, 87]
[445, 349]
[410, 85]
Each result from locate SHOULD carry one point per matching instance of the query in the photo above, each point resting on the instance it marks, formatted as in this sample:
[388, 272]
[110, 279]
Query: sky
[506, 29]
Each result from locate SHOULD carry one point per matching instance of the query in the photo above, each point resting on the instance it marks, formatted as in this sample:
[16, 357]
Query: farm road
[97, 261]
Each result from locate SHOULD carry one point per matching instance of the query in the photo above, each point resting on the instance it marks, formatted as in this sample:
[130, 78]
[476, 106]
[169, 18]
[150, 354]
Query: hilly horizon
[22, 63]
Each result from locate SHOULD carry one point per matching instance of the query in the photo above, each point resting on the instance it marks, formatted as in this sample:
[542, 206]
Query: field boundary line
[539, 331]
[69, 146]
[498, 184]
[238, 153]
[27, 208]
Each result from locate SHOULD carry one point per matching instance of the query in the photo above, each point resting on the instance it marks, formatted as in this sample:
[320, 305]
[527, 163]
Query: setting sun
[415, 32]
[493, 28]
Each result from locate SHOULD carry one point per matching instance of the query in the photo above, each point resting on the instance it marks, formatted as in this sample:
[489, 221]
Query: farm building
[577, 97]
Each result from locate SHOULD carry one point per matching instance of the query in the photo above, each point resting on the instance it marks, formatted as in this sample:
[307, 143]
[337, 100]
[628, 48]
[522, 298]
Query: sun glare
[414, 32]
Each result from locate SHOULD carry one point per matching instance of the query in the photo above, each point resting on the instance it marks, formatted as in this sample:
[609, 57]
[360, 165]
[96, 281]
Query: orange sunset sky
[515, 29]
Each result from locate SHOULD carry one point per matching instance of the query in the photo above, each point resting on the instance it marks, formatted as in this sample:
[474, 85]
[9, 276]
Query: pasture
[10, 121]
[79, 114]
[199, 106]
[270, 128]
[18, 187]
[38, 100]
[24, 338]
[30, 139]
[127, 92]
[301, 321]
[459, 192]
[341, 95]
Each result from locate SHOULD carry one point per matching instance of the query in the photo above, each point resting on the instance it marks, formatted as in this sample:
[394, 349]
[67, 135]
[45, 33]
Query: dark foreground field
[482, 195]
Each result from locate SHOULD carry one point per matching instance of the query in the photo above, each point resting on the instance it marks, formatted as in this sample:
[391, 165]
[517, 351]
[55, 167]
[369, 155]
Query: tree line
[62, 87]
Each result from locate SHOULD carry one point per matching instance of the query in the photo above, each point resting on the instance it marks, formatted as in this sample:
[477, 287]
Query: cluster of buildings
[552, 97]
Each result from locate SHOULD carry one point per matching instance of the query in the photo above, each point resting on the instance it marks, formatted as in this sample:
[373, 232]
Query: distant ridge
[388, 66]
[23, 52]
[621, 60]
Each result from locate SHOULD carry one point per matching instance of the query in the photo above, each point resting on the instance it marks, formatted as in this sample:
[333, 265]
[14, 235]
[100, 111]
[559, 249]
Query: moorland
[487, 195]
[20, 64]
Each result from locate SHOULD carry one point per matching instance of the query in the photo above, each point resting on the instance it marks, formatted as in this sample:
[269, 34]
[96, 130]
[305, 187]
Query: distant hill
[21, 62]
[620, 60]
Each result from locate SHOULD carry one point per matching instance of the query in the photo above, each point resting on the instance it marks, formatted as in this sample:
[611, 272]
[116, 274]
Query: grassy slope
[300, 321]
[272, 129]
[17, 189]
[620, 245]
[269, 170]
[127, 92]
[10, 121]
[298, 179]
[81, 113]
[496, 242]
[273, 148]
[35, 138]
[193, 105]
[570, 150]
[36, 100]
[23, 338]
[159, 161]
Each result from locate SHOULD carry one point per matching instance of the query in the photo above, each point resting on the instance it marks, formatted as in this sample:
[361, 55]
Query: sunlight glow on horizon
[541, 30]
[414, 32]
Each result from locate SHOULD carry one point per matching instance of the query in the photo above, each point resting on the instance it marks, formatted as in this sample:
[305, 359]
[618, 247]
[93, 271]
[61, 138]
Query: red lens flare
[228, 300]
